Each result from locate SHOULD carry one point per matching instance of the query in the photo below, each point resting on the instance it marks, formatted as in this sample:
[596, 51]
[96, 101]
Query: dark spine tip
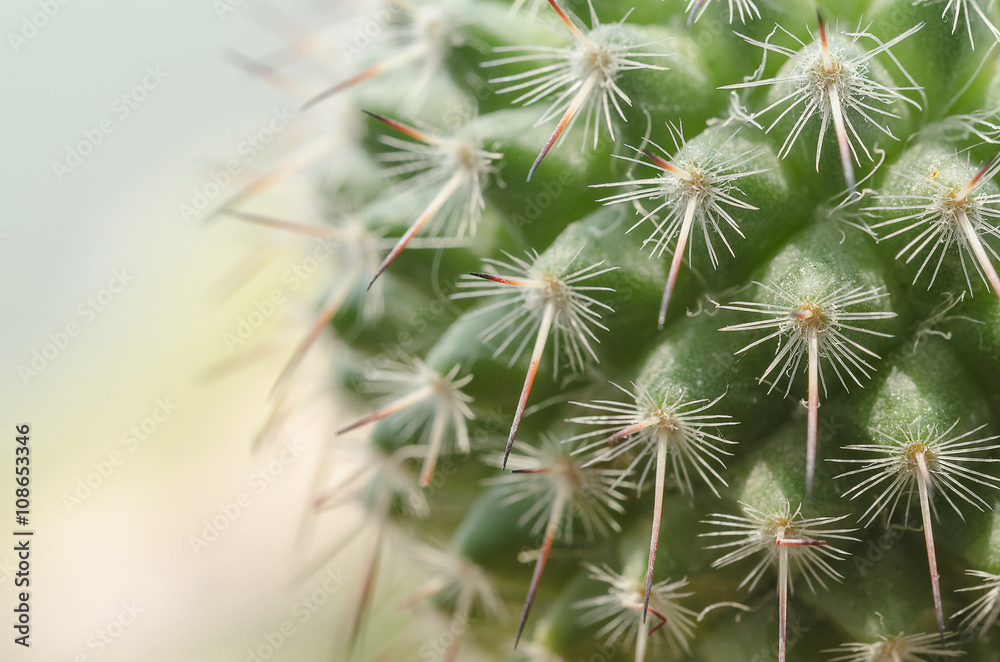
[506, 453]
[534, 166]
[311, 102]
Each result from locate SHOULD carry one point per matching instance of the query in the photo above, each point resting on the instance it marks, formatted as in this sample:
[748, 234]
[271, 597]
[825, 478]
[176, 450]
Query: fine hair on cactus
[583, 78]
[634, 389]
[694, 190]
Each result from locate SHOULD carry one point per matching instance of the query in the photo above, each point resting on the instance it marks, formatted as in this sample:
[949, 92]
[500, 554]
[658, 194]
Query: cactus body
[803, 458]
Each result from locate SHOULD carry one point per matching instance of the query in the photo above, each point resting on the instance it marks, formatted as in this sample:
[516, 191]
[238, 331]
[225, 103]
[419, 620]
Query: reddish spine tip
[340, 87]
[545, 150]
[658, 160]
[982, 171]
[399, 126]
[621, 434]
[536, 577]
[694, 12]
[536, 356]
[799, 543]
[347, 428]
[663, 621]
[494, 278]
[562, 14]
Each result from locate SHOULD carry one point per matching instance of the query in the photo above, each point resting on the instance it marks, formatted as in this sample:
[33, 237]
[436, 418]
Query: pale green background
[129, 541]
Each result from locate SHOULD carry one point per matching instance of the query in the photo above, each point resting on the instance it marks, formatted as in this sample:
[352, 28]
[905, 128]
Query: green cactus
[699, 305]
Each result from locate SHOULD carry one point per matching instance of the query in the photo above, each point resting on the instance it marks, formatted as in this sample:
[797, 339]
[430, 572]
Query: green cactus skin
[706, 428]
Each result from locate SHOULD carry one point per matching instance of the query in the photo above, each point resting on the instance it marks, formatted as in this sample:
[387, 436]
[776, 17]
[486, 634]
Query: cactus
[698, 304]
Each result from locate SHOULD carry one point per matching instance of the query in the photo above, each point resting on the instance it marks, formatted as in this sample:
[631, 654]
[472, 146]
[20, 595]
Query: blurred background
[160, 533]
